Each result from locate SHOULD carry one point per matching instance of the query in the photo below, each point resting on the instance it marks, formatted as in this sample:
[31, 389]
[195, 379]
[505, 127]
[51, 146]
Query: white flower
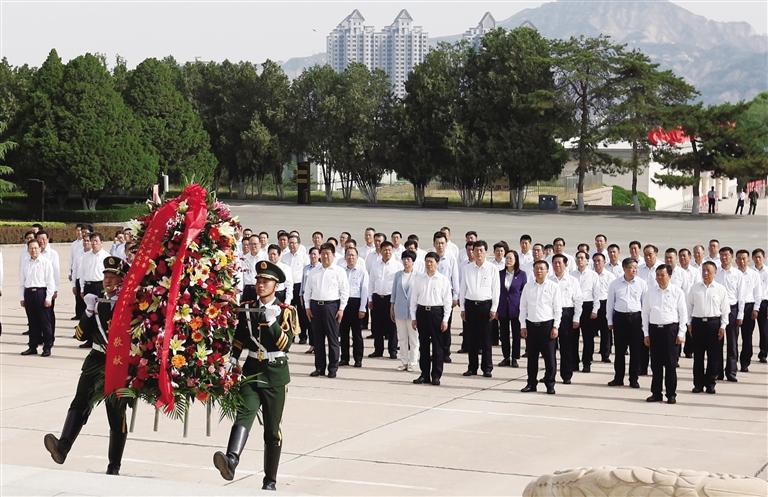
[226, 229]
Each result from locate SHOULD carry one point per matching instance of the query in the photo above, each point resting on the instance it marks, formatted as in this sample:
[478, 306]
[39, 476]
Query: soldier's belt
[249, 310]
[99, 348]
[267, 356]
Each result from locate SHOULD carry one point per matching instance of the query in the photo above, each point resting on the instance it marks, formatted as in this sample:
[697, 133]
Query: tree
[645, 94]
[15, 85]
[714, 145]
[84, 137]
[168, 121]
[315, 107]
[5, 147]
[518, 113]
[273, 112]
[585, 73]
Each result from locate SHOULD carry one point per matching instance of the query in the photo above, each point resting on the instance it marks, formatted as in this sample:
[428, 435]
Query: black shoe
[487, 374]
[447, 360]
[420, 380]
[436, 382]
[74, 318]
[711, 389]
[369, 337]
[331, 374]
[46, 353]
[513, 363]
[394, 356]
[528, 388]
[86, 345]
[720, 377]
[302, 341]
[677, 364]
[688, 356]
[226, 463]
[316, 373]
[567, 382]
[642, 373]
[654, 398]
[744, 369]
[697, 390]
[270, 485]
[525, 354]
[605, 360]
[634, 384]
[59, 447]
[615, 383]
[343, 363]
[116, 447]
[503, 363]
[469, 373]
[461, 351]
[30, 351]
[763, 360]
[551, 390]
[732, 379]
[586, 369]
[26, 333]
[671, 400]
[376, 354]
[358, 364]
[310, 350]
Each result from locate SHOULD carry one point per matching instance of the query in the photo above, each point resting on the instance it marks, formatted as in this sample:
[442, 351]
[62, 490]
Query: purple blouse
[509, 299]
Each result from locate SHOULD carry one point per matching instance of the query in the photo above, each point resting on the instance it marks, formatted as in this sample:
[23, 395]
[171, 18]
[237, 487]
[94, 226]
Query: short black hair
[501, 244]
[710, 263]
[274, 247]
[598, 254]
[664, 267]
[613, 245]
[439, 234]
[723, 249]
[560, 257]
[410, 254]
[328, 246]
[628, 261]
[396, 233]
[480, 243]
[546, 264]
[432, 255]
[635, 242]
[386, 243]
[526, 237]
[758, 251]
[742, 251]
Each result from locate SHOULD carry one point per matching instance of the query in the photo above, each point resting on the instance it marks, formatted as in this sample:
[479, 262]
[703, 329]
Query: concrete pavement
[371, 431]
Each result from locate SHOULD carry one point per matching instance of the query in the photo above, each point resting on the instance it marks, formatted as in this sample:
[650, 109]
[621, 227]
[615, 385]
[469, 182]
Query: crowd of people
[654, 307]
[702, 302]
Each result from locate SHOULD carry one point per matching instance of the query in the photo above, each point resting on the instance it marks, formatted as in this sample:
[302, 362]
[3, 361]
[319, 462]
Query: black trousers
[90, 388]
[747, 329]
[428, 320]
[383, 326]
[39, 318]
[507, 326]
[351, 322]
[731, 343]
[739, 207]
[705, 341]
[79, 302]
[664, 358]
[539, 341]
[303, 319]
[325, 326]
[628, 333]
[601, 328]
[710, 206]
[495, 332]
[752, 208]
[587, 327]
[762, 324]
[568, 339]
[478, 334]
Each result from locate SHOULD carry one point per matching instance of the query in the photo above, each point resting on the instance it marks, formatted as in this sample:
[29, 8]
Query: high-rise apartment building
[396, 49]
[475, 35]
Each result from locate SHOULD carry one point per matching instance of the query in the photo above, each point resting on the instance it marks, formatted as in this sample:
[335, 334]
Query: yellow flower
[184, 313]
[151, 266]
[201, 352]
[165, 282]
[183, 207]
[137, 330]
[143, 305]
[212, 311]
[176, 345]
[135, 350]
[178, 361]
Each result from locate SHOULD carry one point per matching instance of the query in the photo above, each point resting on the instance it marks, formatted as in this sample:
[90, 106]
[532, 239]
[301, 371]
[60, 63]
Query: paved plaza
[370, 431]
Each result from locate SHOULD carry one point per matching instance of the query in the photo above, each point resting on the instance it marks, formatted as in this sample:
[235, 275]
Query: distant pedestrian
[753, 196]
[711, 199]
[742, 196]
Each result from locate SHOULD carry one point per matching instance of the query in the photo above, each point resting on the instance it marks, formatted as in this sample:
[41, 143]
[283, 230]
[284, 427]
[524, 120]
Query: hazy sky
[247, 30]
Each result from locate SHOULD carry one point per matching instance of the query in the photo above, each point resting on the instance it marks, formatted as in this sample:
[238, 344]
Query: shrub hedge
[623, 198]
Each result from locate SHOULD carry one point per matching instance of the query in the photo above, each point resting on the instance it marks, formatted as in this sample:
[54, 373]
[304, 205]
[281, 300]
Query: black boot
[116, 446]
[271, 462]
[59, 447]
[226, 463]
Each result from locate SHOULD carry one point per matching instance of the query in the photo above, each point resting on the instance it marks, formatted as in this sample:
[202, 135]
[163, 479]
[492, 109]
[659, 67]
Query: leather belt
[268, 356]
[324, 302]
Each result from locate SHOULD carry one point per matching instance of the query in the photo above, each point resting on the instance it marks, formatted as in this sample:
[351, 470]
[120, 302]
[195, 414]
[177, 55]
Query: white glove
[90, 303]
[271, 312]
[231, 363]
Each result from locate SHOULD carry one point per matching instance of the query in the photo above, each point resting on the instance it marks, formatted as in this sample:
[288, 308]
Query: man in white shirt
[296, 259]
[283, 291]
[758, 258]
[118, 245]
[708, 311]
[680, 277]
[500, 250]
[359, 287]
[613, 261]
[693, 275]
[635, 252]
[397, 246]
[540, 312]
[665, 317]
[537, 252]
[623, 312]
[526, 255]
[75, 251]
[733, 281]
[600, 321]
[478, 300]
[368, 244]
[448, 267]
[590, 305]
[91, 267]
[325, 299]
[341, 248]
[601, 246]
[37, 288]
[647, 270]
[431, 301]
[413, 245]
[47, 252]
[306, 332]
[450, 247]
[714, 251]
[374, 255]
[698, 257]
[753, 294]
[558, 247]
[571, 300]
[470, 237]
[382, 275]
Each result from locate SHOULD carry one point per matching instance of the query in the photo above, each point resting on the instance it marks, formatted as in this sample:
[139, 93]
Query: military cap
[115, 265]
[265, 269]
